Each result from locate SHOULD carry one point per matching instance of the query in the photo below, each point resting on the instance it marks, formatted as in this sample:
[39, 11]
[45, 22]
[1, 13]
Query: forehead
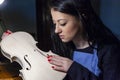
[56, 15]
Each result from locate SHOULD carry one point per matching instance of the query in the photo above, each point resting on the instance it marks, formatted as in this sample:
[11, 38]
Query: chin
[65, 41]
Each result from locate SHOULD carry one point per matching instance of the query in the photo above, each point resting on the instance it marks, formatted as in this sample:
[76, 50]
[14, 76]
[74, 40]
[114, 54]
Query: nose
[57, 29]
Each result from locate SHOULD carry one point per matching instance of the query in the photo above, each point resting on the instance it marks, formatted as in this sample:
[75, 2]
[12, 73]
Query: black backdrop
[43, 33]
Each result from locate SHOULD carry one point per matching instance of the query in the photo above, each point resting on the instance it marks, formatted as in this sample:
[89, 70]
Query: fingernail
[53, 67]
[49, 60]
[49, 56]
[7, 32]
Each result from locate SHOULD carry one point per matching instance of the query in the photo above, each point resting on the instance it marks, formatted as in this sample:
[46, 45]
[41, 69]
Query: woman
[87, 49]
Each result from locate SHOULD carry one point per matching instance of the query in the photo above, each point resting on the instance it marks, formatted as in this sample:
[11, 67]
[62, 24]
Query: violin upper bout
[21, 47]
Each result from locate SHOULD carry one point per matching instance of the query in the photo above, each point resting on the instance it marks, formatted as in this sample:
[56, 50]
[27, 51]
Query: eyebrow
[61, 19]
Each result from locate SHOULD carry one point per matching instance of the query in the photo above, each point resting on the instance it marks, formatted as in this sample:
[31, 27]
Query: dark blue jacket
[108, 63]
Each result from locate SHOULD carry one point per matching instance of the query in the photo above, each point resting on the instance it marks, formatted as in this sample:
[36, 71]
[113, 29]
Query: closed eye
[63, 24]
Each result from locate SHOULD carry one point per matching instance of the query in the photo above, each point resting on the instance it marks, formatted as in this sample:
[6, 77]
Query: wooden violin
[21, 47]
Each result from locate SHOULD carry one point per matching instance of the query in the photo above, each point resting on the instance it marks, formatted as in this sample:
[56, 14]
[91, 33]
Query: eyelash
[63, 24]
[60, 24]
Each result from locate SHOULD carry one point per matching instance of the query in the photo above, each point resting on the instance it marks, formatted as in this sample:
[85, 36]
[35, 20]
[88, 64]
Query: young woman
[87, 49]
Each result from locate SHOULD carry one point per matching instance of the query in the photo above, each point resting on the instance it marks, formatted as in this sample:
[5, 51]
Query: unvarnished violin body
[21, 47]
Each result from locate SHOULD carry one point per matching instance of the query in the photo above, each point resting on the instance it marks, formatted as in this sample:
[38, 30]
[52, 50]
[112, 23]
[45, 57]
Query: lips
[61, 36]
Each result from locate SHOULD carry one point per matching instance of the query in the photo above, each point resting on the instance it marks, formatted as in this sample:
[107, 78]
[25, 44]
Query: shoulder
[109, 48]
[109, 52]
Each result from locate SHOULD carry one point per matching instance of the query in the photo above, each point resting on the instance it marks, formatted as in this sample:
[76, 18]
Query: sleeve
[78, 72]
[111, 63]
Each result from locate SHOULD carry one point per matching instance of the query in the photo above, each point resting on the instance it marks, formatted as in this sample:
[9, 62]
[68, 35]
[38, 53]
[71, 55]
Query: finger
[53, 58]
[58, 68]
[8, 32]
[56, 57]
[55, 62]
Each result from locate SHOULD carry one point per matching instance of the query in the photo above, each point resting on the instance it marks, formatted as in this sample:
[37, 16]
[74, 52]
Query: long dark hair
[95, 30]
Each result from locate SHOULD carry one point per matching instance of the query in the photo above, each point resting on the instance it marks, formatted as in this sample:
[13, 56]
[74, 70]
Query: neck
[81, 43]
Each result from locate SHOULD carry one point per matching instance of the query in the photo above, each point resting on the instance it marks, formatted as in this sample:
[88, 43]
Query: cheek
[72, 28]
[72, 31]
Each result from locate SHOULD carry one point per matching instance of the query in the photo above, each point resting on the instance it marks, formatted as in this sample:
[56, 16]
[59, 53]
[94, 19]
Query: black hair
[95, 30]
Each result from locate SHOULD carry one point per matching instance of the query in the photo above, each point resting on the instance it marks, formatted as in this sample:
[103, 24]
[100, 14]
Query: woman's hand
[60, 63]
[6, 34]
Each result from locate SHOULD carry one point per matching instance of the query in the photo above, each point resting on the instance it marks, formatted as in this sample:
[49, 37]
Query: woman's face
[66, 26]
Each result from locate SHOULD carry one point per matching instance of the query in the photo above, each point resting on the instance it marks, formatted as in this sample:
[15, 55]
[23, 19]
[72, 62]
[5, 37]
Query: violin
[21, 47]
